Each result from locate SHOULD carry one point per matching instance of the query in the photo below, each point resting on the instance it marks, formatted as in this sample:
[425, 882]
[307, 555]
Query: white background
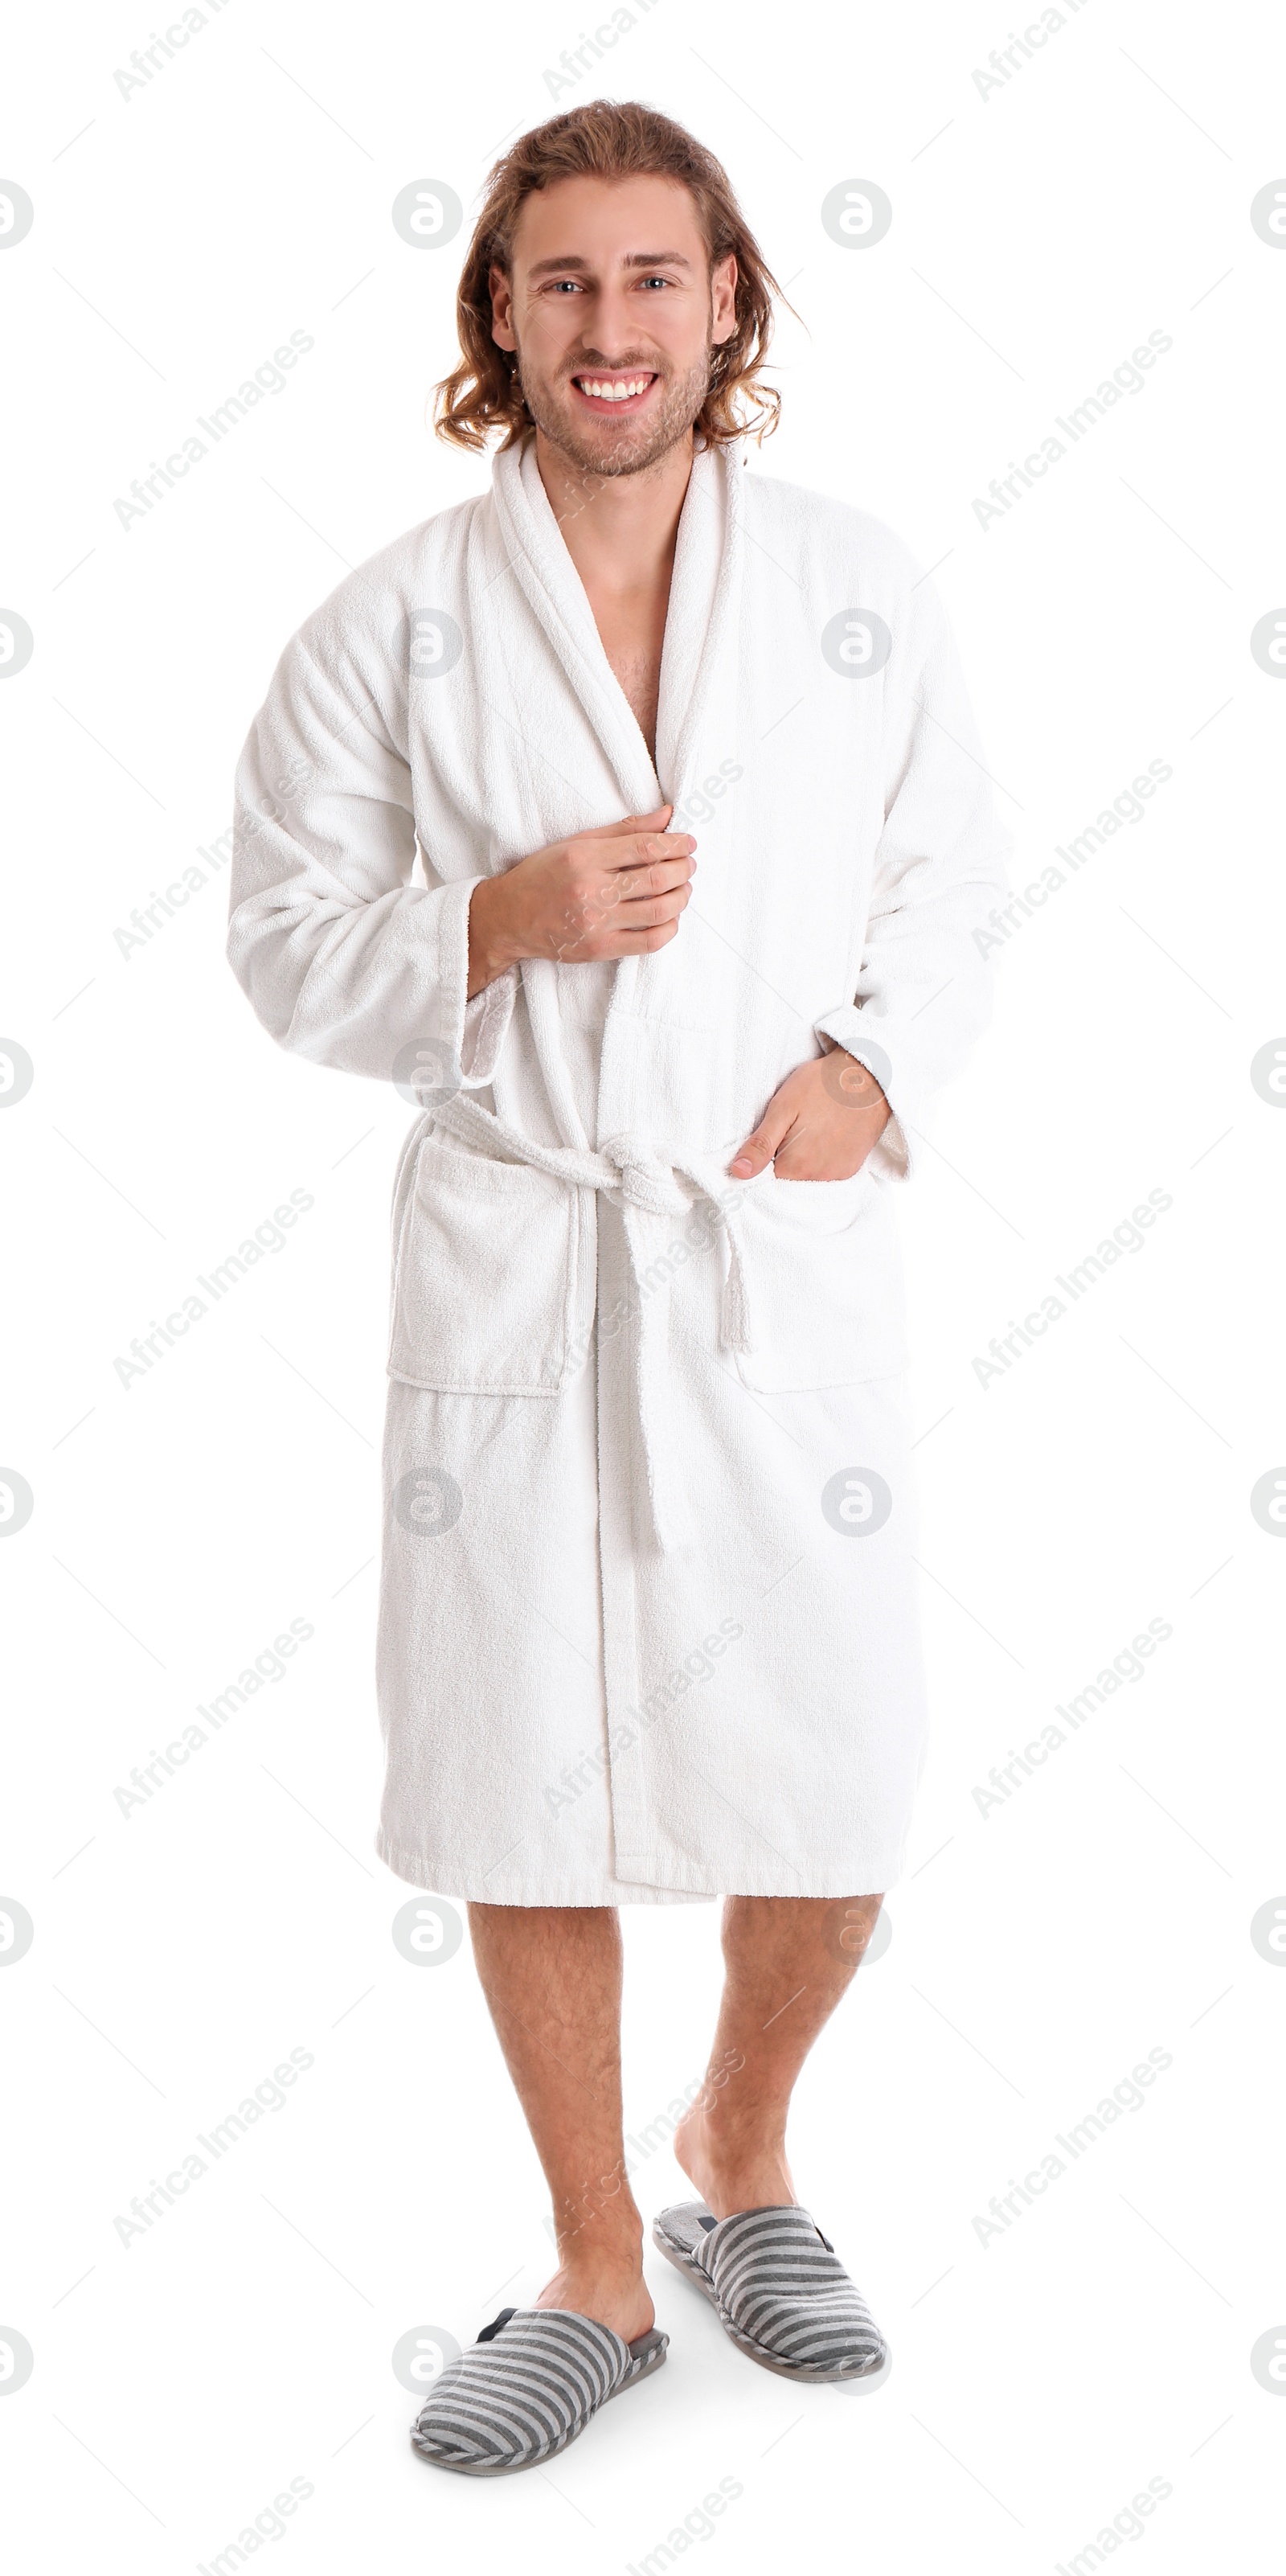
[1039, 1951]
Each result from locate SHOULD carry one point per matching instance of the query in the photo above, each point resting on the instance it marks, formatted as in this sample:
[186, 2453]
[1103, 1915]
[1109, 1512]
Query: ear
[501, 293]
[723, 299]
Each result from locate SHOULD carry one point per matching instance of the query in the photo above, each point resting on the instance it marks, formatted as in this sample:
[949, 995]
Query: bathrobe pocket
[493, 1287]
[824, 1279]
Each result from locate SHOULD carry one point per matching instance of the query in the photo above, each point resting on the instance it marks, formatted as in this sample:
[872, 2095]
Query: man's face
[614, 315]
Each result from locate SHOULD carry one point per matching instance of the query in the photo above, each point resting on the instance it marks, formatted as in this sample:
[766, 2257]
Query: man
[648, 1628]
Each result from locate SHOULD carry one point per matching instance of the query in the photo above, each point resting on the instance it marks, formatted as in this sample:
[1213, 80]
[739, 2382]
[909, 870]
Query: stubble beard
[624, 449]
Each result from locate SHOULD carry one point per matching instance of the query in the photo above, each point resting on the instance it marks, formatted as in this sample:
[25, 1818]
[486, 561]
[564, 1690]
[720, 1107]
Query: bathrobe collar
[700, 621]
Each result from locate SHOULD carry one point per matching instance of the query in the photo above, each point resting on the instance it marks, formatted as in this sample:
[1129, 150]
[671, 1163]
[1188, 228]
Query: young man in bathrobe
[705, 835]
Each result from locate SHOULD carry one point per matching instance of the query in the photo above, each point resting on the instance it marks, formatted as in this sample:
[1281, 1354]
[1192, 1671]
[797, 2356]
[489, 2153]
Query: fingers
[805, 1160]
[611, 927]
[644, 913]
[760, 1148]
[615, 927]
[660, 877]
[616, 891]
[654, 822]
[635, 849]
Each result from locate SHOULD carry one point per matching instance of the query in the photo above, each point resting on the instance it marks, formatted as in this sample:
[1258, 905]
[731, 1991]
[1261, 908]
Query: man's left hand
[820, 1125]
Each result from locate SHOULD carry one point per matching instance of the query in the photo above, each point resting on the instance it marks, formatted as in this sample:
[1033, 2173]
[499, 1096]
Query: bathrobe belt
[642, 1186]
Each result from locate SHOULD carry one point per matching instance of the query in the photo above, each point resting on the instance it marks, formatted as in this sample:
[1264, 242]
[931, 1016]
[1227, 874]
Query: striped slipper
[780, 2290]
[530, 2384]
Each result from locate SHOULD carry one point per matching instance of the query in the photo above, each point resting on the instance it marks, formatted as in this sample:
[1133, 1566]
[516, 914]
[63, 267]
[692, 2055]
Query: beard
[596, 445]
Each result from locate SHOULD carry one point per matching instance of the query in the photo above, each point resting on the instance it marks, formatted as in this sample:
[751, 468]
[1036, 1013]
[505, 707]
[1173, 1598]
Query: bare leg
[788, 1960]
[552, 1978]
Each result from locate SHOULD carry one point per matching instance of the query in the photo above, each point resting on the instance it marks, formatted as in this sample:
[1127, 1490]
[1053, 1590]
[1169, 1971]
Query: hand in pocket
[819, 1125]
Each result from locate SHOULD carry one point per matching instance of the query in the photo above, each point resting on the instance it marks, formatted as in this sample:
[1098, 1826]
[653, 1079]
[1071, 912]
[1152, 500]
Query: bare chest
[639, 674]
[632, 631]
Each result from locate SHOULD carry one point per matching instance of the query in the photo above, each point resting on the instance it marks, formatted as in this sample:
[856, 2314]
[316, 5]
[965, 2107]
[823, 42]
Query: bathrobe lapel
[702, 597]
[697, 668]
[698, 674]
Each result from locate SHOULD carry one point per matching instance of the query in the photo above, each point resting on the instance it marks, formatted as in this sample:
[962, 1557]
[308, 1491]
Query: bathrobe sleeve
[924, 989]
[341, 957]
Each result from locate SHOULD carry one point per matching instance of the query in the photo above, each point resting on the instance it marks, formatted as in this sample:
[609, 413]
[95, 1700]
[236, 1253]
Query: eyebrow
[633, 259]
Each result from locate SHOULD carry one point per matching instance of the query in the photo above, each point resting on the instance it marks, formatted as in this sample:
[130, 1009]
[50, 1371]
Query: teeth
[617, 390]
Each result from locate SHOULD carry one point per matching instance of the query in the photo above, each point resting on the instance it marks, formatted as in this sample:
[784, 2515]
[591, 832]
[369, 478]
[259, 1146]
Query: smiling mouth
[621, 391]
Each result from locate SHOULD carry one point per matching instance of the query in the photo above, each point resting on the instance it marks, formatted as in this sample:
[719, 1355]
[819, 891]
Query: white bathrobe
[648, 1627]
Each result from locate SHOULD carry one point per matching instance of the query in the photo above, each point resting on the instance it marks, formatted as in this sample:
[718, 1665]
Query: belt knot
[637, 1181]
[643, 1180]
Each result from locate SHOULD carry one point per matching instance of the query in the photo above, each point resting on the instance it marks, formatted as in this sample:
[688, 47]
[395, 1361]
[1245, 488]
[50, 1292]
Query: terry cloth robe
[648, 1625]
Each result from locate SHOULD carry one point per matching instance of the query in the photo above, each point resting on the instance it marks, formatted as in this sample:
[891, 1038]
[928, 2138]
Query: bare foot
[613, 2292]
[731, 2174]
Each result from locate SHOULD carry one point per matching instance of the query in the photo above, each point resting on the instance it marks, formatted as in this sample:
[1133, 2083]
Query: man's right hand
[612, 893]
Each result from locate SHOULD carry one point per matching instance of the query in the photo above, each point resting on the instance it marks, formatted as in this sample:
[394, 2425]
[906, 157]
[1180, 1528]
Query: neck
[619, 529]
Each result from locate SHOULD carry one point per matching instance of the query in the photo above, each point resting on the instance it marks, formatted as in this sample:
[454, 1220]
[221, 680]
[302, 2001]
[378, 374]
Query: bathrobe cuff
[474, 1031]
[486, 1025]
[874, 1043]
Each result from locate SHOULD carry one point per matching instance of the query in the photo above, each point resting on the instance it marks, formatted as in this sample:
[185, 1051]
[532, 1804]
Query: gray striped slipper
[780, 2290]
[529, 2385]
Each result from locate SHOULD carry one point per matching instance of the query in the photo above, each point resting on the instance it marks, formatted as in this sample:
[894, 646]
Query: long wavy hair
[607, 139]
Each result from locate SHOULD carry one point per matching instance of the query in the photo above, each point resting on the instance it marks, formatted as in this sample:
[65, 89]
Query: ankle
[738, 2165]
[589, 2270]
[756, 2131]
[597, 2240]
[618, 2297]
